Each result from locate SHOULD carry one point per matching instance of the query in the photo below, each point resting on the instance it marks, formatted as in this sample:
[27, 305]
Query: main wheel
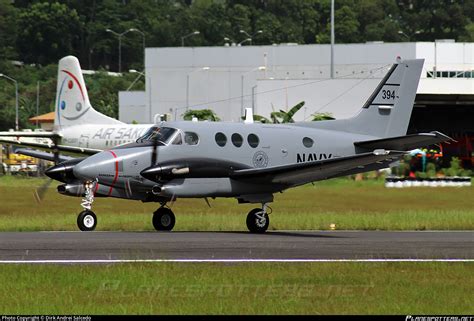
[163, 219]
[87, 221]
[257, 221]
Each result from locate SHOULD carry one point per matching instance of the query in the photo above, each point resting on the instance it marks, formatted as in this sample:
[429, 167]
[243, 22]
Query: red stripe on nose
[116, 173]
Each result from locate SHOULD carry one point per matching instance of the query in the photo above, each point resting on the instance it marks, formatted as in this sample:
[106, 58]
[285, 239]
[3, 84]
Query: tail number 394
[388, 94]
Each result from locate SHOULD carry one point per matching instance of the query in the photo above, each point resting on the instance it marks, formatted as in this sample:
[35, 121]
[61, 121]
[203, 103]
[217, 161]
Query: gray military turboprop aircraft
[248, 161]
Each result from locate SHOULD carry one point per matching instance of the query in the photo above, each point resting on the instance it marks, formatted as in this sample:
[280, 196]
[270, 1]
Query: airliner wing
[30, 134]
[50, 147]
[302, 173]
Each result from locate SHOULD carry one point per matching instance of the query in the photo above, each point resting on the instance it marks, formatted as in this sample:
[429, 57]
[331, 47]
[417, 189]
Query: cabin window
[221, 139]
[308, 142]
[237, 140]
[191, 138]
[253, 140]
[156, 133]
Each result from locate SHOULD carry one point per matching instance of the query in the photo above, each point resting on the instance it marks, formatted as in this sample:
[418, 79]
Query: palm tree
[322, 116]
[280, 117]
[201, 114]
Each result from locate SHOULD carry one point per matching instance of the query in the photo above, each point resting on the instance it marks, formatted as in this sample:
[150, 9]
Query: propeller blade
[128, 189]
[40, 192]
[55, 150]
[154, 152]
[172, 200]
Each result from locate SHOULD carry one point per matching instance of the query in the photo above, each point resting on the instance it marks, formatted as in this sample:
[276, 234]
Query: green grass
[257, 288]
[244, 288]
[366, 205]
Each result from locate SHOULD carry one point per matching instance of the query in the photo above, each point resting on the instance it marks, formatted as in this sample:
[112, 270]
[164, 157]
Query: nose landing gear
[87, 220]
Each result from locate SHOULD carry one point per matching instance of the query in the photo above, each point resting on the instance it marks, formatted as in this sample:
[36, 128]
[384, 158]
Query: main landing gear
[87, 220]
[163, 219]
[258, 220]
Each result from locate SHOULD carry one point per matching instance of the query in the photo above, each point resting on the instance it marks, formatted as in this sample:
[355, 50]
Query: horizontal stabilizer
[407, 142]
[41, 155]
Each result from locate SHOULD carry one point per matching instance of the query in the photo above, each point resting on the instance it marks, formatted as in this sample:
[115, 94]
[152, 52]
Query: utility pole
[332, 39]
[37, 102]
[16, 98]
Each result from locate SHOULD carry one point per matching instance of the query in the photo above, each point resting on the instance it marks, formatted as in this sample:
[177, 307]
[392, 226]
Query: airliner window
[160, 134]
[237, 140]
[253, 140]
[221, 139]
[308, 142]
[191, 138]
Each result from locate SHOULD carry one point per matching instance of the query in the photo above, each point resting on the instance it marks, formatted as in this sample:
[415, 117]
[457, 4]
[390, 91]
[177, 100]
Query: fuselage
[101, 136]
[195, 144]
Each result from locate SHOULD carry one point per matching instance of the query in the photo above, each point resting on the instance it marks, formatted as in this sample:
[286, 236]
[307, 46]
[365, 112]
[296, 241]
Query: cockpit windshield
[160, 134]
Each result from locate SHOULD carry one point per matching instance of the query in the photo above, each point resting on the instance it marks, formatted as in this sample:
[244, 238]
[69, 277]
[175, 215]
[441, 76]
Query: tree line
[38, 33]
[43, 31]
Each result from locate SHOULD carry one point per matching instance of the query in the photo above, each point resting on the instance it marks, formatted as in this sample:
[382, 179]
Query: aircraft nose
[101, 164]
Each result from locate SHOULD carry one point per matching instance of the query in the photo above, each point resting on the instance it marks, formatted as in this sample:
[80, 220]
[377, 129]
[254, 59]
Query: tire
[163, 219]
[87, 221]
[255, 223]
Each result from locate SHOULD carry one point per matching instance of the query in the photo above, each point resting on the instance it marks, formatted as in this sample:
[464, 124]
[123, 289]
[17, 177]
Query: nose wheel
[163, 219]
[87, 221]
[258, 220]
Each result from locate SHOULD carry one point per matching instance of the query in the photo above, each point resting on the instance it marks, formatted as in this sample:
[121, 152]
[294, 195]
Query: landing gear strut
[163, 219]
[87, 220]
[258, 220]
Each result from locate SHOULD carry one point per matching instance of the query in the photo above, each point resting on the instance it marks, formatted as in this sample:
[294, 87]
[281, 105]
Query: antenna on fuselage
[248, 116]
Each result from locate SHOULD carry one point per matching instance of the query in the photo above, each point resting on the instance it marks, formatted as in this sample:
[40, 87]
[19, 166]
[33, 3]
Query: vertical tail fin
[72, 106]
[388, 110]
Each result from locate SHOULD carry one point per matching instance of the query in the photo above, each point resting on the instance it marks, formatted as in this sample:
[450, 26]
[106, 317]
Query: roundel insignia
[260, 159]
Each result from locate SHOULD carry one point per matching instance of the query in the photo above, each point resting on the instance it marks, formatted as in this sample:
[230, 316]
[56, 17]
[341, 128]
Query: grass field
[244, 288]
[348, 204]
[366, 205]
[258, 288]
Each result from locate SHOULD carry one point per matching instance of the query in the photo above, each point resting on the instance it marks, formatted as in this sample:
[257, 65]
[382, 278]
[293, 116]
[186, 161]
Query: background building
[266, 78]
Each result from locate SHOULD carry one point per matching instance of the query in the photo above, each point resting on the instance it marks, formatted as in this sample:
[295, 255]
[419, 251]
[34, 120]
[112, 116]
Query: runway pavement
[282, 245]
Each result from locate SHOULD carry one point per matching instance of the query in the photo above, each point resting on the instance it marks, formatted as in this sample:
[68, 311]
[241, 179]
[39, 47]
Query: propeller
[154, 152]
[40, 192]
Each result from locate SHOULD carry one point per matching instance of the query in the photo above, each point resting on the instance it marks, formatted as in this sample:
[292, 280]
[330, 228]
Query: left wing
[302, 173]
[42, 155]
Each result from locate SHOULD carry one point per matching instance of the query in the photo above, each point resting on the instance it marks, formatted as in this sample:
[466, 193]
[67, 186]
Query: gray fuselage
[262, 146]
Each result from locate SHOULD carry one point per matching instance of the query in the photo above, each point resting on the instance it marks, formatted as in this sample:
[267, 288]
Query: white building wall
[231, 79]
[133, 107]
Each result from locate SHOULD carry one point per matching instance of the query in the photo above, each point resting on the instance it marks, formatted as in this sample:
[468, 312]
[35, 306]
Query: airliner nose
[101, 164]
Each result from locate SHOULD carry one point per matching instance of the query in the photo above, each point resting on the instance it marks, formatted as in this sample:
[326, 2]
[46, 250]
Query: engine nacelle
[194, 168]
[63, 172]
